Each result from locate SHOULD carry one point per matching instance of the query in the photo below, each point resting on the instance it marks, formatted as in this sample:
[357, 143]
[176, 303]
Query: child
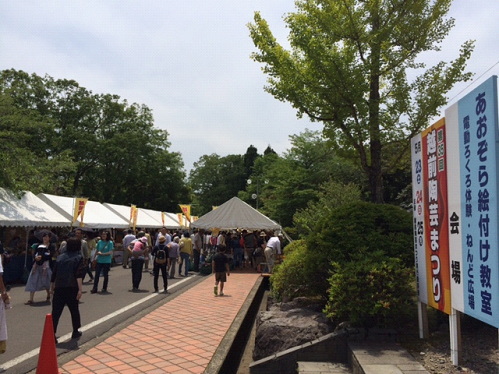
[220, 267]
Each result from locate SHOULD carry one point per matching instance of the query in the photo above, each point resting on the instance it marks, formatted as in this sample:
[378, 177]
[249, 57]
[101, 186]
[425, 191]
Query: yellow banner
[194, 218]
[79, 210]
[180, 217]
[133, 216]
[163, 217]
[186, 209]
[213, 207]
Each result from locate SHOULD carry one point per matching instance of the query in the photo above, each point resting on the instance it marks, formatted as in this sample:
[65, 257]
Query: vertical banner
[79, 210]
[180, 218]
[186, 209]
[163, 215]
[418, 218]
[133, 216]
[436, 218]
[478, 152]
[455, 207]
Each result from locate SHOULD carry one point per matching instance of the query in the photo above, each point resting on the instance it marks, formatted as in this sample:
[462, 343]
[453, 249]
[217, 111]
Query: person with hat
[104, 255]
[138, 255]
[160, 255]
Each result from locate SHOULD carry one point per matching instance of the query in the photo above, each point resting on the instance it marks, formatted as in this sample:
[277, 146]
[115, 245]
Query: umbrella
[41, 233]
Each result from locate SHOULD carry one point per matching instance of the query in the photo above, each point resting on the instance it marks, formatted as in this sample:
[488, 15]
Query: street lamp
[256, 196]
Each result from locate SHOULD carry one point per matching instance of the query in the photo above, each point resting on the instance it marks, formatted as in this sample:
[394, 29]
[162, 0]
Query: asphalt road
[101, 314]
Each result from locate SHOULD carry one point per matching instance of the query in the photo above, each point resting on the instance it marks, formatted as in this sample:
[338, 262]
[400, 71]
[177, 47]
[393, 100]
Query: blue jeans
[104, 269]
[186, 261]
[238, 256]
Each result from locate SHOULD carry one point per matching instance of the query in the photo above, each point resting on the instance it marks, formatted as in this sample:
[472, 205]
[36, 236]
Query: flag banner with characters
[79, 210]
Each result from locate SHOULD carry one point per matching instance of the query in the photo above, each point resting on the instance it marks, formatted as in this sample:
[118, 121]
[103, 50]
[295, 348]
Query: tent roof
[235, 214]
[96, 215]
[170, 221]
[146, 218]
[28, 211]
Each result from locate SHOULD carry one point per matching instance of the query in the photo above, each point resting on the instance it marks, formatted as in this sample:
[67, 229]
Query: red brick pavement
[179, 337]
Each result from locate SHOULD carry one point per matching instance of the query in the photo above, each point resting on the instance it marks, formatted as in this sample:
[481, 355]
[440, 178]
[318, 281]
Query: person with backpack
[160, 256]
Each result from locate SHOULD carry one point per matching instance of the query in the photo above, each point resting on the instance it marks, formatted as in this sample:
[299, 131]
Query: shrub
[292, 278]
[369, 293]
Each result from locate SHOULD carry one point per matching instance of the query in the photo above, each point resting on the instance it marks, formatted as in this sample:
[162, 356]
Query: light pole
[256, 196]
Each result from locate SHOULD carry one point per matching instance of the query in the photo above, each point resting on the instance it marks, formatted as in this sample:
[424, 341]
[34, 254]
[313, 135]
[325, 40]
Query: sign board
[455, 163]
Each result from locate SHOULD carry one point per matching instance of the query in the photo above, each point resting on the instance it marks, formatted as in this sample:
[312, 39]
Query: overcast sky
[189, 62]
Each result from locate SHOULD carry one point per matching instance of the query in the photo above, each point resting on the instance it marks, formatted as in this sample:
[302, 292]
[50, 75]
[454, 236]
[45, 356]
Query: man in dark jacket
[66, 285]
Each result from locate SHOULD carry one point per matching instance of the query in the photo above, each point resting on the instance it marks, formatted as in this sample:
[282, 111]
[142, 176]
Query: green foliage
[331, 196]
[293, 277]
[215, 179]
[370, 293]
[348, 67]
[362, 229]
[98, 146]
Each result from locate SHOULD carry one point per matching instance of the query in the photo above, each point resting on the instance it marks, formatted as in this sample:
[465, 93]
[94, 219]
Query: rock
[287, 325]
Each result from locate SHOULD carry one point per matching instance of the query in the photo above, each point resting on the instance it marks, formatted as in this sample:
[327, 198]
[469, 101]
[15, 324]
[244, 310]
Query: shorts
[221, 276]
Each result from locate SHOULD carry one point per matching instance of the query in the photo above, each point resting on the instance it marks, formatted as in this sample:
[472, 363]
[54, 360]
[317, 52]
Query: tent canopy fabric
[146, 218]
[96, 215]
[235, 214]
[28, 211]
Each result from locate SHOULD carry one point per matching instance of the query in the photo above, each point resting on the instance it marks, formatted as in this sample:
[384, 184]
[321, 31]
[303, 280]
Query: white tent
[235, 214]
[28, 211]
[146, 218]
[96, 215]
[169, 219]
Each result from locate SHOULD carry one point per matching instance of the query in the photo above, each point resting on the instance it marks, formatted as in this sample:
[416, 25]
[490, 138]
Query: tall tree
[117, 154]
[215, 179]
[349, 68]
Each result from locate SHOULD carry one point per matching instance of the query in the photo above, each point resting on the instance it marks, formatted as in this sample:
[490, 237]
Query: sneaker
[93, 291]
[215, 290]
[156, 290]
[76, 334]
[221, 293]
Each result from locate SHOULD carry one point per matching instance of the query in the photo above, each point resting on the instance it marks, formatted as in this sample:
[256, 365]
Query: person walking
[66, 285]
[103, 255]
[160, 263]
[197, 246]
[4, 304]
[127, 240]
[41, 273]
[137, 256]
[173, 256]
[185, 253]
[85, 252]
[220, 267]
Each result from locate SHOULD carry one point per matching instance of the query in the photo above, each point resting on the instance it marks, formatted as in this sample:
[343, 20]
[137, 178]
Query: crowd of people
[60, 265]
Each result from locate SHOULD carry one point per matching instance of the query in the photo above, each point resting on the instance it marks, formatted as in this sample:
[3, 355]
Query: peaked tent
[96, 215]
[235, 214]
[28, 211]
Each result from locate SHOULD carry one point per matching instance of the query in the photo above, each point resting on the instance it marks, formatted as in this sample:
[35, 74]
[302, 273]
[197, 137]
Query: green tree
[25, 143]
[349, 67]
[288, 183]
[215, 179]
[117, 154]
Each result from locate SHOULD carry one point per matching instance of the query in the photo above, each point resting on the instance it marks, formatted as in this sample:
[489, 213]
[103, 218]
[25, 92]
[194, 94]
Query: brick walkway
[179, 337]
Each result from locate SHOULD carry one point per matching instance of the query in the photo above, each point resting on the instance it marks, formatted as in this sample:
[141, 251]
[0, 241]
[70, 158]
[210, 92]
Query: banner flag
[163, 218]
[133, 216]
[180, 218]
[186, 209]
[79, 210]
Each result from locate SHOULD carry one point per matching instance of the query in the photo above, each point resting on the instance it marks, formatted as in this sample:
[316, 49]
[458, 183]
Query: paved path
[179, 337]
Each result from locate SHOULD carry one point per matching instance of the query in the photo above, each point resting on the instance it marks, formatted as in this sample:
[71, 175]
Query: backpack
[160, 257]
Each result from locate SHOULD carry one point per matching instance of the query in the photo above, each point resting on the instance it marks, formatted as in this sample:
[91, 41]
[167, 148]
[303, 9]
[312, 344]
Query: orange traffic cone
[47, 358]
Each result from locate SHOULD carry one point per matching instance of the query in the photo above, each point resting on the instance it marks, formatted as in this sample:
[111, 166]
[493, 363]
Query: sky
[189, 62]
